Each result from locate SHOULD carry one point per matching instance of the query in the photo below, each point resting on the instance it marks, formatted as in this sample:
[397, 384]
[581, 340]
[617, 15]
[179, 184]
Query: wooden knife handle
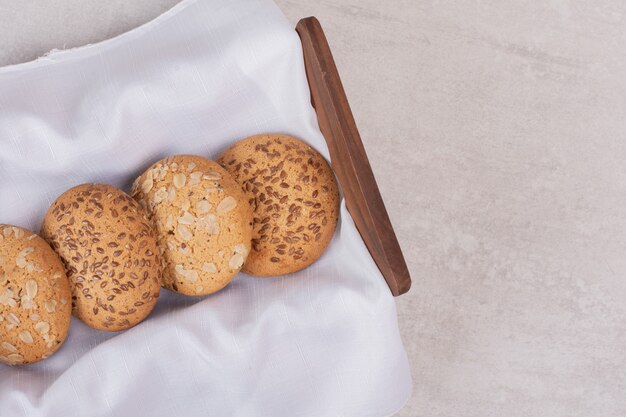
[349, 159]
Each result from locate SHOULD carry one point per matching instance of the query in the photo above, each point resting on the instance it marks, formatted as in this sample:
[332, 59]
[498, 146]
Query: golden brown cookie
[35, 307]
[203, 220]
[110, 253]
[295, 199]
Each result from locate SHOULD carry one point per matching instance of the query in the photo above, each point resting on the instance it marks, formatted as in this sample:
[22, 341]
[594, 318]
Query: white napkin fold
[322, 342]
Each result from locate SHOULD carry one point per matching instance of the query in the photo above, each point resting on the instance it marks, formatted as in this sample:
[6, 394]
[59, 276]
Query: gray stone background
[496, 131]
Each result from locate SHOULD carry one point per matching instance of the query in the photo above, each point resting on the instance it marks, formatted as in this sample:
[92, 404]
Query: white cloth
[322, 342]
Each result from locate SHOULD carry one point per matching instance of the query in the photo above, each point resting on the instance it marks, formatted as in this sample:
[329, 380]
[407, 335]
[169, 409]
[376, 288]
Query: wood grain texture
[349, 159]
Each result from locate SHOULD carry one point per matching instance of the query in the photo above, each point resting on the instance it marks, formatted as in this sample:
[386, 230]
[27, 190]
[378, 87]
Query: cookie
[295, 199]
[35, 308]
[203, 221]
[110, 252]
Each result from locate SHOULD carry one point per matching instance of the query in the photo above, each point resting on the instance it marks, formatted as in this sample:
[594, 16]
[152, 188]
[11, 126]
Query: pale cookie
[295, 199]
[203, 219]
[35, 296]
[110, 253]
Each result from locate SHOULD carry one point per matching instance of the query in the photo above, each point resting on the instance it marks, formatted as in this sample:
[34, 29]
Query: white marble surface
[497, 133]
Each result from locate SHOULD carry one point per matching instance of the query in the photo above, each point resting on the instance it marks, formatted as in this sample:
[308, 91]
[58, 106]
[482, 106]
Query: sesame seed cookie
[35, 308]
[110, 253]
[295, 199]
[203, 220]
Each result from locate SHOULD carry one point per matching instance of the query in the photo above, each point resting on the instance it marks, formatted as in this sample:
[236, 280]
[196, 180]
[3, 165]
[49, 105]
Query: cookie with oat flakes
[35, 309]
[203, 220]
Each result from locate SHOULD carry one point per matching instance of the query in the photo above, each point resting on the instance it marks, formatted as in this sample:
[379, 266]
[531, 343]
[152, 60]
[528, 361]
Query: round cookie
[295, 199]
[110, 253]
[203, 221]
[35, 309]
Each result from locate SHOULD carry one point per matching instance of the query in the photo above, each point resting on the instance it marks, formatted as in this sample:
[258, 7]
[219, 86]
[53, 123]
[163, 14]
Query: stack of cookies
[269, 206]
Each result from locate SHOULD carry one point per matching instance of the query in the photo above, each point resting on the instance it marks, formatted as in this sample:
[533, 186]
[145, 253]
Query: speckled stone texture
[497, 134]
